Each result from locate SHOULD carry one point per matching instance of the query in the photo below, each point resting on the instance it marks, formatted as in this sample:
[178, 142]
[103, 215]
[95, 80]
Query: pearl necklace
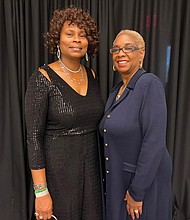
[72, 71]
[120, 92]
[78, 82]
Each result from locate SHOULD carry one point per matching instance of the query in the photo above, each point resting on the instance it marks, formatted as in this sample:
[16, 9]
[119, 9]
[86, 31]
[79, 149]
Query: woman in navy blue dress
[138, 167]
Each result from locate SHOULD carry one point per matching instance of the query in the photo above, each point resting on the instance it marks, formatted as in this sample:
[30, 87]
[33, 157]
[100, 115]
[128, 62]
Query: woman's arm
[36, 108]
[43, 201]
[153, 120]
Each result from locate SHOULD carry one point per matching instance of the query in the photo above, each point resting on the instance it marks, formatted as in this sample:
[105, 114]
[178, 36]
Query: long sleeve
[36, 107]
[153, 119]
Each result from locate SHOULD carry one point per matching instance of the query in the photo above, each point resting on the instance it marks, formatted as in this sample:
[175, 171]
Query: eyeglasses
[125, 49]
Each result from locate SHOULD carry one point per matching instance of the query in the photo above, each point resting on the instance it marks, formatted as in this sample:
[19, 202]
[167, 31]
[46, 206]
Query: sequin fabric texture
[62, 137]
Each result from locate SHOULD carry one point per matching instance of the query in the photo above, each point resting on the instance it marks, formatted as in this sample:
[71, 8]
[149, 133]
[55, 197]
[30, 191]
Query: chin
[76, 57]
[122, 70]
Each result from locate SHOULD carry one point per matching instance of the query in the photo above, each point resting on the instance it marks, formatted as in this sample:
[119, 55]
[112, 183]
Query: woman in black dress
[63, 108]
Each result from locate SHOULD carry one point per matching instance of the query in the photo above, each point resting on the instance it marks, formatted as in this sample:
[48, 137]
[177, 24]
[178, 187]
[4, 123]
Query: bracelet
[39, 190]
[40, 186]
[43, 193]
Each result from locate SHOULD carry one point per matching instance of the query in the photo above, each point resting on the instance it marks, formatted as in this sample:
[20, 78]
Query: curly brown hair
[76, 16]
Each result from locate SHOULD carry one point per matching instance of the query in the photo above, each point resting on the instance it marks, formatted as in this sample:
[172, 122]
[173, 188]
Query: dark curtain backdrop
[165, 28]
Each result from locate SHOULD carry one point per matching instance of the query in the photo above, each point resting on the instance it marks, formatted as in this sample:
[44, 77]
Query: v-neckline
[69, 86]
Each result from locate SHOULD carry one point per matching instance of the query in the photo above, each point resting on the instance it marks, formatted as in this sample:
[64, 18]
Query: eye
[69, 34]
[114, 50]
[128, 47]
[83, 35]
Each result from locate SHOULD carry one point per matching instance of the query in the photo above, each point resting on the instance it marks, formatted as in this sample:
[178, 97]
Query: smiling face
[73, 41]
[127, 63]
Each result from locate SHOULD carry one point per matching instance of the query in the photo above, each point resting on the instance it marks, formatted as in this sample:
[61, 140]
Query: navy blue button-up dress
[136, 158]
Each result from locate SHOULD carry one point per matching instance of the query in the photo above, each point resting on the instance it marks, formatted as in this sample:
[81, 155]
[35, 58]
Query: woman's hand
[133, 208]
[43, 207]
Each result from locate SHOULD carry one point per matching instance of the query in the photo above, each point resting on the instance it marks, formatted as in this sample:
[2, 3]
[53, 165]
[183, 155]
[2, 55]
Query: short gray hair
[139, 41]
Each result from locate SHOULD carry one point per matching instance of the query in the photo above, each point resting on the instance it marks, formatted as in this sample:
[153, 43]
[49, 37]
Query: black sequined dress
[62, 138]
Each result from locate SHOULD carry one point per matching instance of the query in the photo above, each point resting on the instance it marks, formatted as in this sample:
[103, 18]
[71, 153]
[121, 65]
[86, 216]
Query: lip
[76, 48]
[122, 62]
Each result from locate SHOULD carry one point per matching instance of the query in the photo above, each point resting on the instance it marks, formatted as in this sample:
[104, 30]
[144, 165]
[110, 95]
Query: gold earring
[140, 64]
[114, 69]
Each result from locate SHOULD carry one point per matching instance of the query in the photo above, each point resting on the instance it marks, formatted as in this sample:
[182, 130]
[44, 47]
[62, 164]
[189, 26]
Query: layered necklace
[121, 90]
[67, 72]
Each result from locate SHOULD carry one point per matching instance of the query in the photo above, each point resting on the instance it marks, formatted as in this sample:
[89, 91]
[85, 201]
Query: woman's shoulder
[150, 83]
[39, 76]
[90, 72]
[149, 78]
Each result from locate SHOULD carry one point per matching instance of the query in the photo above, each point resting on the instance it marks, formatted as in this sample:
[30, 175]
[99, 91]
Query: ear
[142, 54]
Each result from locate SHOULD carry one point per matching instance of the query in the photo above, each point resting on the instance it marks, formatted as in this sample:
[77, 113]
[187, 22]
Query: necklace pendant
[117, 97]
[67, 73]
[121, 90]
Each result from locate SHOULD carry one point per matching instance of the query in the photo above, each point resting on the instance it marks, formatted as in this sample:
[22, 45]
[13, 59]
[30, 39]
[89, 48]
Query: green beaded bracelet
[40, 190]
[43, 193]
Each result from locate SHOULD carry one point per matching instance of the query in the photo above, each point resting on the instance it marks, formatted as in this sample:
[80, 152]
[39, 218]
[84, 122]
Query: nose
[121, 51]
[121, 54]
[76, 38]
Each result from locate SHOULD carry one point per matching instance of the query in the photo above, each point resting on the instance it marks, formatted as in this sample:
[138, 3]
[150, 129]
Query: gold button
[107, 158]
[107, 171]
[106, 145]
[105, 130]
[108, 116]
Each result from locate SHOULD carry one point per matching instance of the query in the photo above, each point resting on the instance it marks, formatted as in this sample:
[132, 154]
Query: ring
[40, 217]
[136, 211]
[36, 214]
[53, 216]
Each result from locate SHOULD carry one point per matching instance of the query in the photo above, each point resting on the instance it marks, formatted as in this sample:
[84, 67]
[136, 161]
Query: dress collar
[132, 82]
